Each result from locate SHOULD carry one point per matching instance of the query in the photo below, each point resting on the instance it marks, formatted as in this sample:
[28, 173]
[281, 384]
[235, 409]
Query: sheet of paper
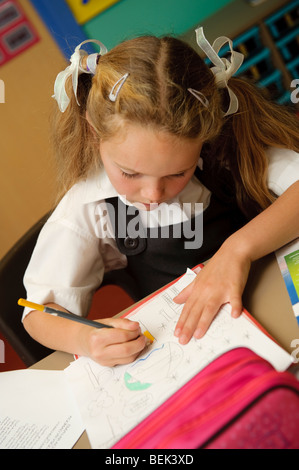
[113, 400]
[37, 411]
[288, 262]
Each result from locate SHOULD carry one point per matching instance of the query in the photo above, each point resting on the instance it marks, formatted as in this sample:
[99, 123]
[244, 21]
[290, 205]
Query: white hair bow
[223, 68]
[74, 70]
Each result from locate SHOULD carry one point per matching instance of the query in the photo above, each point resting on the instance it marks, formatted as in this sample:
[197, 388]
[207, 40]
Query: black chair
[12, 269]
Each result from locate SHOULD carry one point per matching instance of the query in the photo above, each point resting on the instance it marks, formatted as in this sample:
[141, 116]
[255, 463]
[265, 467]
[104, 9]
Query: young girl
[143, 134]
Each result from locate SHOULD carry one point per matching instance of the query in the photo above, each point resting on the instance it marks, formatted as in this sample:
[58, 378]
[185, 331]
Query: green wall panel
[130, 18]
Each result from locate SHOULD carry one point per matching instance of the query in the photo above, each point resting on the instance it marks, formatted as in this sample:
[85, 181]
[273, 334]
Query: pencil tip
[149, 336]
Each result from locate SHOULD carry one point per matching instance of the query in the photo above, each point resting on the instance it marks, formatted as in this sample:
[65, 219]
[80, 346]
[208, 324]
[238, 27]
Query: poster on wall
[16, 31]
[85, 10]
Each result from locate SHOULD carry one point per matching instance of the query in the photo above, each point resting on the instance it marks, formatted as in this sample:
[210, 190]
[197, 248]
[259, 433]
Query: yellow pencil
[70, 316]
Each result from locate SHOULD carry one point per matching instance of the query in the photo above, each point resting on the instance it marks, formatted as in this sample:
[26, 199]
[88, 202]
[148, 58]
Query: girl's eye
[135, 175]
[129, 175]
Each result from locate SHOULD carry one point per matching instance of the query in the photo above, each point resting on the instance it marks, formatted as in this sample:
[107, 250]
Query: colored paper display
[85, 10]
[16, 32]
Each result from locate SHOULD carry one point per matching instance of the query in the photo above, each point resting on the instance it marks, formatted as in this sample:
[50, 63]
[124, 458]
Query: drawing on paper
[159, 365]
[120, 397]
[133, 384]
[102, 402]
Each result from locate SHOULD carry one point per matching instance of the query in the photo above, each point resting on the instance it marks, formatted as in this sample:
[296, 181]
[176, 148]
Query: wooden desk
[265, 297]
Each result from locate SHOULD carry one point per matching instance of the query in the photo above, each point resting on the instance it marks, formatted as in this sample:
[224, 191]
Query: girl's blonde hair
[161, 70]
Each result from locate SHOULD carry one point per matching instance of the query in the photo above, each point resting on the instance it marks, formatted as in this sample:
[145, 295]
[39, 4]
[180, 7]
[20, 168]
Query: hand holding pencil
[113, 341]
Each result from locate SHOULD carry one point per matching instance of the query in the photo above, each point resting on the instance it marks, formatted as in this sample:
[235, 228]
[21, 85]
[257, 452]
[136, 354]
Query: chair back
[12, 269]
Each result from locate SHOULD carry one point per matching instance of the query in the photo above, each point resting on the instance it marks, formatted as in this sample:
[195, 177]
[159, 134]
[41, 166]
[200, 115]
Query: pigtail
[72, 139]
[259, 123]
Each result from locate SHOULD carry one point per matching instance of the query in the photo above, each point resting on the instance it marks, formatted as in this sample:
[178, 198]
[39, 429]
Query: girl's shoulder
[93, 188]
[278, 154]
[283, 169]
[77, 208]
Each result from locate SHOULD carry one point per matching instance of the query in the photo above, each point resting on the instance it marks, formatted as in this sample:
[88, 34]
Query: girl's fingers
[184, 294]
[195, 319]
[123, 353]
[237, 306]
[121, 323]
[118, 345]
[105, 337]
[195, 323]
[204, 322]
[186, 321]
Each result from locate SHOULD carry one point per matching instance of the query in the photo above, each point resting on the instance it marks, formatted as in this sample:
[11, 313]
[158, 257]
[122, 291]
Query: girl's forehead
[145, 149]
[134, 134]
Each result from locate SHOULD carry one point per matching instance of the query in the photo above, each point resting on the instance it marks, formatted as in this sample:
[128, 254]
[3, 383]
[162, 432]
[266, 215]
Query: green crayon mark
[134, 386]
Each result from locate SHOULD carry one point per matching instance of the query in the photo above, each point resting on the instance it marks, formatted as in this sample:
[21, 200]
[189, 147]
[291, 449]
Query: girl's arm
[108, 346]
[224, 277]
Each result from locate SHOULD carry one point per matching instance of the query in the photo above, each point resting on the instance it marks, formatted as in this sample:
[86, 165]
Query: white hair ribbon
[74, 70]
[223, 68]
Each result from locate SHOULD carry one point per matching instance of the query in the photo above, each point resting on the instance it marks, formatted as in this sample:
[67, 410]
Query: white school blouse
[77, 246]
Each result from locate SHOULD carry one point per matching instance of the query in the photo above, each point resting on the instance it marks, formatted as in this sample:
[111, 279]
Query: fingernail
[198, 333]
[183, 339]
[177, 331]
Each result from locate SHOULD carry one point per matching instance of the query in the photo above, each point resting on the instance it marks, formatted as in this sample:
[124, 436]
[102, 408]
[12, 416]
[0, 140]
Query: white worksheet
[114, 400]
[37, 411]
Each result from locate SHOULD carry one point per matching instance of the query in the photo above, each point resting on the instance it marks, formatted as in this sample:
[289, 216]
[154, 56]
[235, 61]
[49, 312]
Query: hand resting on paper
[221, 281]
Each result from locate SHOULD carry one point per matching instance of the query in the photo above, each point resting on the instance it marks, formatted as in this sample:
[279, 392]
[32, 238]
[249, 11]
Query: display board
[16, 31]
[84, 10]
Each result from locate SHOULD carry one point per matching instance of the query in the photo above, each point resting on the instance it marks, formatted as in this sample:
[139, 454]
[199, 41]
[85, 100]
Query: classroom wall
[27, 174]
[130, 18]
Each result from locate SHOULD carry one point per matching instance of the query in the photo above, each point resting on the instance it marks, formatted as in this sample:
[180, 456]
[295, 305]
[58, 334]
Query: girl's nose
[153, 191]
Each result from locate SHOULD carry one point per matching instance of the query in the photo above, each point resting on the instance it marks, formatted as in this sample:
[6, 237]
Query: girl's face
[149, 166]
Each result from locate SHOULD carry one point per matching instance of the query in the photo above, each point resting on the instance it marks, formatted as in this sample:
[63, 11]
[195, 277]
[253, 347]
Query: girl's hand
[222, 280]
[112, 346]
